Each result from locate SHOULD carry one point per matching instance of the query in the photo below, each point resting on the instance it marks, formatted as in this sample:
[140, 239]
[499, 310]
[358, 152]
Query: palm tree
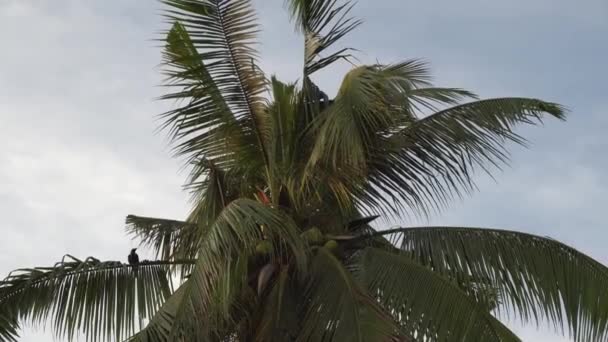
[286, 183]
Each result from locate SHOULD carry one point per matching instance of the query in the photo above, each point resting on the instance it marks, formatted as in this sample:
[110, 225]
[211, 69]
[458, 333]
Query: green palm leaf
[205, 126]
[102, 300]
[432, 98]
[278, 320]
[173, 239]
[425, 302]
[323, 23]
[432, 160]
[363, 110]
[282, 110]
[213, 41]
[220, 274]
[538, 278]
[161, 324]
[337, 309]
[168, 238]
[359, 135]
[9, 326]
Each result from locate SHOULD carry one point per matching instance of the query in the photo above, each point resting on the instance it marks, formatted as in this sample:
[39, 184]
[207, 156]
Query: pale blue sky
[78, 79]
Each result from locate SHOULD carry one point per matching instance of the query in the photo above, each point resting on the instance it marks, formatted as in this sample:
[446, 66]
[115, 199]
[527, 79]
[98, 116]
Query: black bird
[133, 259]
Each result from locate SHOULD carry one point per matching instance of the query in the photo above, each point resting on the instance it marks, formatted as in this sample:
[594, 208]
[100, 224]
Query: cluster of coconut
[313, 236]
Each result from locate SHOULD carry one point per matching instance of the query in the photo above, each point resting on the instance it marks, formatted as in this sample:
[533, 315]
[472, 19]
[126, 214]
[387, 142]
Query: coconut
[313, 236]
[263, 247]
[331, 245]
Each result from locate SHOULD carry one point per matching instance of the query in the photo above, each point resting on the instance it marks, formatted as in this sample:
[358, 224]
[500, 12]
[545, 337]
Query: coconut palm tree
[286, 182]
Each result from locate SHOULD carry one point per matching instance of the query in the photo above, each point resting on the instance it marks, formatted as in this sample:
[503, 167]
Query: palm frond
[432, 98]
[205, 125]
[337, 309]
[244, 223]
[427, 305]
[323, 23]
[9, 326]
[353, 120]
[100, 299]
[373, 103]
[212, 43]
[169, 239]
[283, 115]
[362, 111]
[278, 320]
[173, 323]
[479, 289]
[160, 326]
[221, 272]
[431, 160]
[408, 164]
[212, 188]
[539, 279]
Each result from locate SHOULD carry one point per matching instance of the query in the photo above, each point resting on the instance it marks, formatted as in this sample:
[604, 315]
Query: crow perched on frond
[133, 259]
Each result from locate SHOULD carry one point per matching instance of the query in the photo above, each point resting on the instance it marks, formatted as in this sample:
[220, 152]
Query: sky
[80, 150]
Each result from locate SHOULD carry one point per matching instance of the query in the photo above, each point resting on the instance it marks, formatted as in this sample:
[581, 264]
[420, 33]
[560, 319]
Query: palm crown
[286, 182]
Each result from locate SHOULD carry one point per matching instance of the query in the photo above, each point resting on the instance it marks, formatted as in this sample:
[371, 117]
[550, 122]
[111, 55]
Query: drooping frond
[175, 320]
[211, 46]
[374, 102]
[220, 275]
[102, 300]
[244, 223]
[433, 98]
[444, 148]
[361, 112]
[323, 23]
[9, 326]
[203, 126]
[211, 191]
[283, 114]
[337, 309]
[278, 319]
[408, 164]
[172, 239]
[160, 326]
[428, 305]
[169, 239]
[432, 160]
[538, 278]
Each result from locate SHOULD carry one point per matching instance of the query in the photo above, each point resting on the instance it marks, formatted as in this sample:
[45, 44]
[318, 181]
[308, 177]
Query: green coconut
[331, 245]
[264, 247]
[313, 236]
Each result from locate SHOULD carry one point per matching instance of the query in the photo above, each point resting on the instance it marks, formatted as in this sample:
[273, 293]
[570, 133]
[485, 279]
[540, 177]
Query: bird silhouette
[133, 259]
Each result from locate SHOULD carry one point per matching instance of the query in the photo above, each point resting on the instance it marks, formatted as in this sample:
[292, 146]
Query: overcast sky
[78, 149]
